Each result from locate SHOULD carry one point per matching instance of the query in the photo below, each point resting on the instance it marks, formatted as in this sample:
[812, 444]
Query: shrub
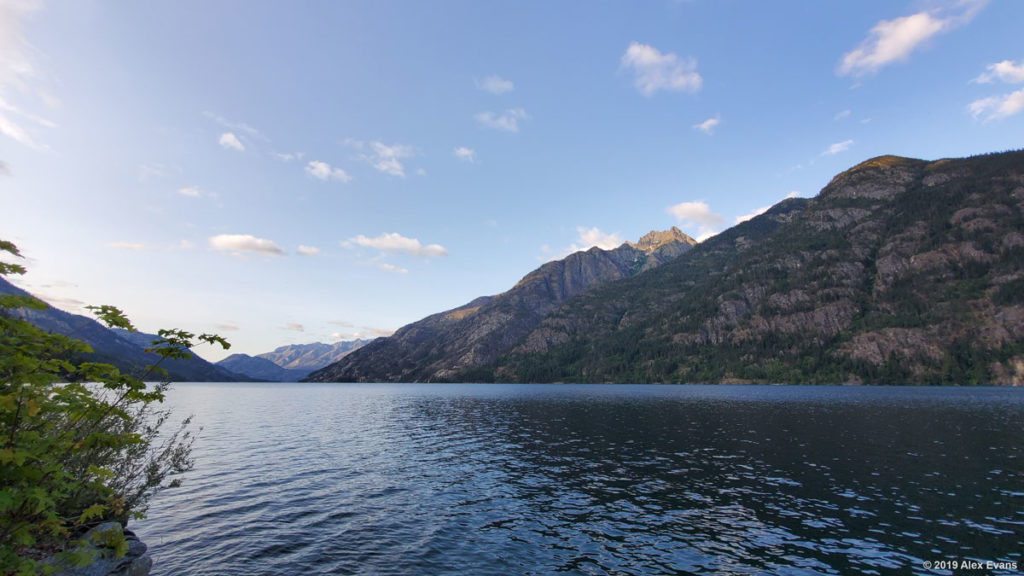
[80, 442]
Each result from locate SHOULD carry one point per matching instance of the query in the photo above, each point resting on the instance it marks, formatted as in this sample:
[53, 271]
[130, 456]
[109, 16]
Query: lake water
[577, 479]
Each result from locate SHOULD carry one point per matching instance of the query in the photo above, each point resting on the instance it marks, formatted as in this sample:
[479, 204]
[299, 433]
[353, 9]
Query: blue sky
[283, 172]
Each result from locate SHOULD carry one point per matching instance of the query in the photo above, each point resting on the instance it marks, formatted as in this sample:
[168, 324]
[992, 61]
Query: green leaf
[112, 317]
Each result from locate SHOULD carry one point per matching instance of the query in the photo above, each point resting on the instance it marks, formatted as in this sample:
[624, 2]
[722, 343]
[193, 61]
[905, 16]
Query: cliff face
[461, 340]
[900, 271]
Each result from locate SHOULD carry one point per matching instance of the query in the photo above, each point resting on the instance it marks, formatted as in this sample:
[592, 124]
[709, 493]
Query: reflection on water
[489, 479]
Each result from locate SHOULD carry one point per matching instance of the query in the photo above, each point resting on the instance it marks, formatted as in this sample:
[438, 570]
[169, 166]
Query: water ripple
[373, 479]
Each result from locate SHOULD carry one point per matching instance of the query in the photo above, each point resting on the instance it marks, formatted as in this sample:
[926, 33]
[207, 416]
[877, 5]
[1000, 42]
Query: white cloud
[226, 327]
[465, 154]
[837, 148]
[655, 71]
[509, 121]
[708, 126]
[1006, 71]
[894, 40]
[190, 191]
[324, 171]
[5, 170]
[495, 85]
[392, 268]
[15, 132]
[308, 250]
[237, 243]
[384, 158]
[295, 326]
[229, 140]
[996, 107]
[18, 72]
[421, 172]
[841, 115]
[590, 237]
[695, 212]
[396, 243]
[186, 245]
[288, 156]
[698, 215]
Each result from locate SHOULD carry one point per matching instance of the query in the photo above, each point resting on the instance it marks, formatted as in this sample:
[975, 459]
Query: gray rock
[135, 562]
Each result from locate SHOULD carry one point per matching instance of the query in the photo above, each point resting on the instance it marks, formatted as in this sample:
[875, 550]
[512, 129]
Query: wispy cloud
[5, 170]
[229, 140]
[288, 156]
[392, 268]
[1003, 105]
[495, 85]
[304, 250]
[1006, 71]
[996, 107]
[324, 171]
[237, 126]
[654, 71]
[841, 115]
[396, 243]
[18, 72]
[508, 122]
[238, 243]
[708, 126]
[836, 148]
[465, 154]
[190, 191]
[295, 327]
[891, 41]
[388, 159]
[226, 327]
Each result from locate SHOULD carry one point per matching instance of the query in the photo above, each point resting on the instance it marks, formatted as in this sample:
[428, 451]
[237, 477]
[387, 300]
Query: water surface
[578, 479]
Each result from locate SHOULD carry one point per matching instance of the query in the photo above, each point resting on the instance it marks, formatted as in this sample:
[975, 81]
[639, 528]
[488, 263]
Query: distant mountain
[289, 363]
[313, 356]
[260, 369]
[900, 271]
[445, 345]
[120, 348]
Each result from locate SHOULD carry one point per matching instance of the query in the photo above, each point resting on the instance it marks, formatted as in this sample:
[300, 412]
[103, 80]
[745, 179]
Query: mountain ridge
[466, 337]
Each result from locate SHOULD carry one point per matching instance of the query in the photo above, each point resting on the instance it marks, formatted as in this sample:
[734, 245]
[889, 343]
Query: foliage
[80, 442]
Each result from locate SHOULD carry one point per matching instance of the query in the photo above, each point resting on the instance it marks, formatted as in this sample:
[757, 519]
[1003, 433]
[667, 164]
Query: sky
[291, 172]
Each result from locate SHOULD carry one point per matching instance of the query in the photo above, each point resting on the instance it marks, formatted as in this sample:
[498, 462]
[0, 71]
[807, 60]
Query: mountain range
[900, 271]
[289, 363]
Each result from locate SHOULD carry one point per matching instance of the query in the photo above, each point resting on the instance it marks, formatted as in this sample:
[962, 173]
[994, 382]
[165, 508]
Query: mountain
[260, 369]
[313, 356]
[900, 271]
[118, 347]
[442, 346]
[289, 363]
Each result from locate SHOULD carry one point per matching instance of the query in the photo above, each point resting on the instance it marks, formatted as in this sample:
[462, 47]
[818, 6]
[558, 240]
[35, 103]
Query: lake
[593, 479]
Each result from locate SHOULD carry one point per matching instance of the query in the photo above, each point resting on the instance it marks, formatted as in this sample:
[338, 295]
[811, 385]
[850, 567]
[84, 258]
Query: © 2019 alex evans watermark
[970, 564]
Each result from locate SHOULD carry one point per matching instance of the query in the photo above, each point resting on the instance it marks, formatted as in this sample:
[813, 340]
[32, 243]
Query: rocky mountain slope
[444, 345]
[289, 363]
[900, 271]
[120, 348]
